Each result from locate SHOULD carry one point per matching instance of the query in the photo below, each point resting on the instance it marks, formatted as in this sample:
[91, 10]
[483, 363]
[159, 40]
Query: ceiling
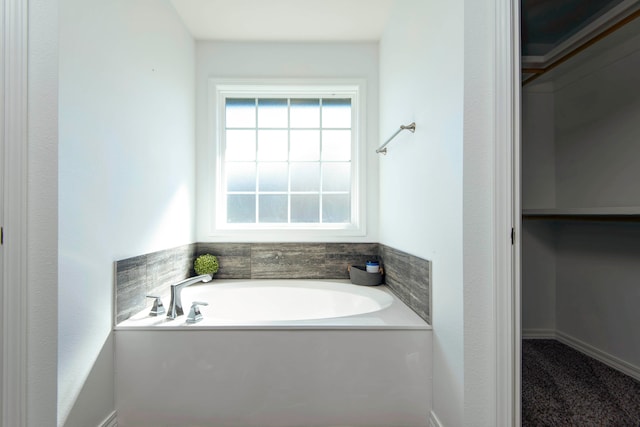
[552, 31]
[285, 20]
[545, 24]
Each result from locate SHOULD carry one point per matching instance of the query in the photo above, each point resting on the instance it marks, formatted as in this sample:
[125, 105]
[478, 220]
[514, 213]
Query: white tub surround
[273, 378]
[369, 369]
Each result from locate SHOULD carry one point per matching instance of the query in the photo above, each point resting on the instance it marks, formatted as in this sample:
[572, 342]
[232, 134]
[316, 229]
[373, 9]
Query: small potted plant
[206, 264]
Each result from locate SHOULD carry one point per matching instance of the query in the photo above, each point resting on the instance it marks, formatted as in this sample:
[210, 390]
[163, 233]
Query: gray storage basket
[359, 276]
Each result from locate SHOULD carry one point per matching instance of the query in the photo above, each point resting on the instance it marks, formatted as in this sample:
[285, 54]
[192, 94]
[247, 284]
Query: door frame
[507, 224]
[14, 198]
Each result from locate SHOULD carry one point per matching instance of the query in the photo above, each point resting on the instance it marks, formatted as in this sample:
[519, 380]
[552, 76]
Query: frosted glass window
[286, 158]
[241, 176]
[240, 113]
[272, 113]
[305, 176]
[273, 177]
[273, 145]
[336, 113]
[241, 208]
[336, 177]
[273, 208]
[336, 208]
[240, 145]
[305, 113]
[304, 145]
[336, 145]
[305, 208]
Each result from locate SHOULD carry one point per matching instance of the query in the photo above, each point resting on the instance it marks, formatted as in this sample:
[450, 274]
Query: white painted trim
[2, 178]
[110, 421]
[434, 421]
[539, 334]
[507, 213]
[517, 206]
[356, 88]
[602, 356]
[14, 292]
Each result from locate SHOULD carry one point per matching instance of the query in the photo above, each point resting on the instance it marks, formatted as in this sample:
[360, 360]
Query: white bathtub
[286, 304]
[285, 353]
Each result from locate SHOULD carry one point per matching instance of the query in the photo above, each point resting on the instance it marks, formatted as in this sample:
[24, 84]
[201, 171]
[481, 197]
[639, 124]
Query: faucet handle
[194, 314]
[157, 308]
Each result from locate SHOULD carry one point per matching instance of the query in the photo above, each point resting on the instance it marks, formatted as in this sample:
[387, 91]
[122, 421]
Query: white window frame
[220, 89]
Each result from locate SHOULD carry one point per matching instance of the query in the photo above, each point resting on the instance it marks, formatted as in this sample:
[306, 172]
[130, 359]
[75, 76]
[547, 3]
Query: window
[288, 158]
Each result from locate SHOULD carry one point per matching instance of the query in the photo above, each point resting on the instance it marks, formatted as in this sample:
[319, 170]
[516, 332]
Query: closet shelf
[630, 213]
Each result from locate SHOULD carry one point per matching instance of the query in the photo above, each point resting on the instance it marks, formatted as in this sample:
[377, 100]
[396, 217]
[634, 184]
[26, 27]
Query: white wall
[580, 278]
[437, 186]
[42, 227]
[538, 147]
[597, 291]
[126, 174]
[597, 133]
[285, 60]
[598, 137]
[538, 295]
[480, 204]
[421, 80]
[538, 287]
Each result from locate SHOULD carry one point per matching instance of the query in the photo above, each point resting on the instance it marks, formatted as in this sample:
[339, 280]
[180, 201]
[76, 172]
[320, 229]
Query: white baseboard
[548, 334]
[433, 420]
[110, 421]
[604, 357]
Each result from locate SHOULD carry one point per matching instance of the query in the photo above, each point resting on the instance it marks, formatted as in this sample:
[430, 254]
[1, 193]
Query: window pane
[272, 145]
[240, 113]
[240, 145]
[305, 113]
[305, 208]
[336, 145]
[335, 208]
[305, 176]
[336, 113]
[241, 176]
[336, 177]
[273, 177]
[305, 145]
[287, 160]
[272, 113]
[273, 208]
[241, 208]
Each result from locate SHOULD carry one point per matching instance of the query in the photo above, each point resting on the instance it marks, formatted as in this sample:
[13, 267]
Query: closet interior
[580, 192]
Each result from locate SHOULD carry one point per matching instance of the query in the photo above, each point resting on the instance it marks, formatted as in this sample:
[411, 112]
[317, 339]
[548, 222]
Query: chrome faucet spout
[175, 307]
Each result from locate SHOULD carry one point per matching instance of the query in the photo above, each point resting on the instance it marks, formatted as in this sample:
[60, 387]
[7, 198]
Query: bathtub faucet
[175, 307]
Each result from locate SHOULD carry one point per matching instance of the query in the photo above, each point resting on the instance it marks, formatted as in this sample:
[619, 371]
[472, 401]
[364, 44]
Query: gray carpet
[563, 387]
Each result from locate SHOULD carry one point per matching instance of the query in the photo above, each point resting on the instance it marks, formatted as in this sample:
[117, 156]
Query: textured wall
[421, 188]
[410, 278]
[42, 206]
[288, 260]
[125, 176]
[149, 274]
[407, 275]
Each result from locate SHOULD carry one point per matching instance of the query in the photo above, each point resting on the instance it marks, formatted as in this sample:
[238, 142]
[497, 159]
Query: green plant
[206, 264]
